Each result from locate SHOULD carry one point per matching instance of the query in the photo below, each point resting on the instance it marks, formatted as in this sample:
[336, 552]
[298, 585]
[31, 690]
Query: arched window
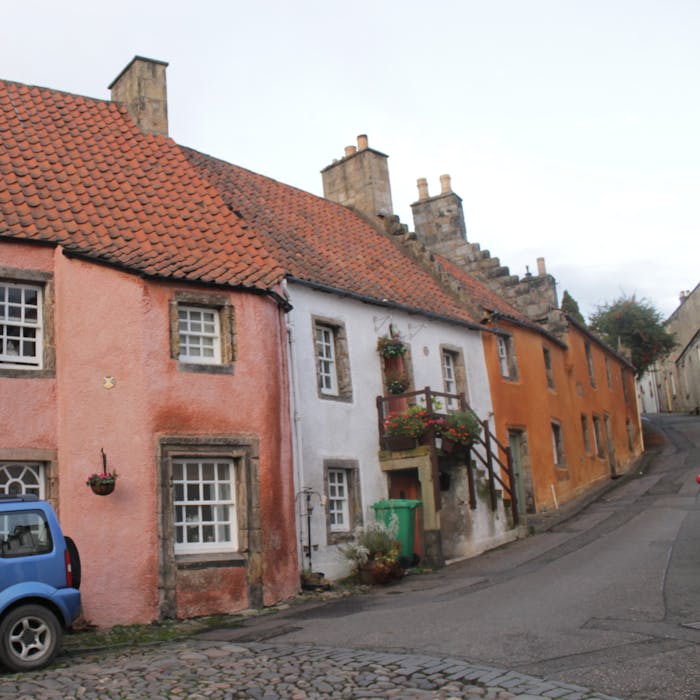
[22, 477]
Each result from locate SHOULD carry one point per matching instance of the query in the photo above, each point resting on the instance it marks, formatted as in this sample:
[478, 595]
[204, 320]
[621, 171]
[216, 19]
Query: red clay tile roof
[321, 242]
[78, 172]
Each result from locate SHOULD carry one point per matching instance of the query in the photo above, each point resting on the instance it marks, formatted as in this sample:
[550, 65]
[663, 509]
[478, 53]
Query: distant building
[677, 377]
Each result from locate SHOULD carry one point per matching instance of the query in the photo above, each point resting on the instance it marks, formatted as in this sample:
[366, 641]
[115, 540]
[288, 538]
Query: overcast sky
[571, 128]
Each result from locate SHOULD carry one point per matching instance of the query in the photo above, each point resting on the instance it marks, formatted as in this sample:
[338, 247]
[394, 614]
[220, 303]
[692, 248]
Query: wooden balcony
[486, 452]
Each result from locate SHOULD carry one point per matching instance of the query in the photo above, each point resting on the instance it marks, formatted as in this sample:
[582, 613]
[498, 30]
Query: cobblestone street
[196, 669]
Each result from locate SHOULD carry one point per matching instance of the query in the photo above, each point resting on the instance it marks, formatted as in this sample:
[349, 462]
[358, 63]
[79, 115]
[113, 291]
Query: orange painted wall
[110, 323]
[528, 403]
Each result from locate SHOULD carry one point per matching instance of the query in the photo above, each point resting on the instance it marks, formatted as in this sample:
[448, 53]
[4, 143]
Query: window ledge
[332, 397]
[198, 368]
[27, 373]
[210, 561]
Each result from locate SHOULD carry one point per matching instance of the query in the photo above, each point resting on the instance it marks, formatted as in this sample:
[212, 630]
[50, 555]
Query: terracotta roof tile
[79, 173]
[324, 243]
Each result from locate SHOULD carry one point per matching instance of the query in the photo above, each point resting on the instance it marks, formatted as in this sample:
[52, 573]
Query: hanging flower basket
[389, 347]
[102, 483]
[103, 487]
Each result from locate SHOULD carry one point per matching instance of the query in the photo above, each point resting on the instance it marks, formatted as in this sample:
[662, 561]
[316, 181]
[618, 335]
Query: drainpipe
[296, 429]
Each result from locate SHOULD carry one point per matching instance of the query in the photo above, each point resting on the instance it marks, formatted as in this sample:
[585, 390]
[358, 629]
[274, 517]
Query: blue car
[39, 582]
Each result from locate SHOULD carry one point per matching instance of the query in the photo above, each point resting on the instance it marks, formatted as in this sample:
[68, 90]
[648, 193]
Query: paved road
[608, 599]
[603, 605]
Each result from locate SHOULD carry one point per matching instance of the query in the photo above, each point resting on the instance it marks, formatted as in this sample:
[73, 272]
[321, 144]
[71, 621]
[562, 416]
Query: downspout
[295, 417]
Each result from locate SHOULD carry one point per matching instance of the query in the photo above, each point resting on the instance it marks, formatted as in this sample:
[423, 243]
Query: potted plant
[401, 430]
[459, 428]
[391, 346]
[397, 382]
[375, 552]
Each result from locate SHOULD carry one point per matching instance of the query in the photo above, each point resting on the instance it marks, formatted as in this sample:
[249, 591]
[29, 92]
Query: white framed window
[199, 334]
[586, 433]
[341, 484]
[503, 355]
[449, 378]
[338, 501]
[506, 357]
[21, 325]
[589, 364]
[23, 477]
[204, 505]
[548, 367]
[598, 437]
[608, 372]
[327, 365]
[557, 445]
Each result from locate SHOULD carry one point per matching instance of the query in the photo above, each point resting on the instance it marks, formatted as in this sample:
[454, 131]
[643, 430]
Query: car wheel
[74, 561]
[30, 636]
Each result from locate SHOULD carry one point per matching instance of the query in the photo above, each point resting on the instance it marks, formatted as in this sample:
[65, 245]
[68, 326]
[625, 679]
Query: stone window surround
[507, 342]
[558, 444]
[589, 363]
[227, 327]
[351, 468]
[48, 458]
[598, 437]
[45, 280]
[342, 358]
[586, 433]
[244, 451]
[547, 356]
[460, 369]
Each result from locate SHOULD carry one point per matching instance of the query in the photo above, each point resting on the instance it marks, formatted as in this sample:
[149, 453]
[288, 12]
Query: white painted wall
[647, 391]
[327, 428]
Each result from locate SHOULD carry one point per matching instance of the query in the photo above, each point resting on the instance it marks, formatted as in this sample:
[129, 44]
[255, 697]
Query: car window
[24, 534]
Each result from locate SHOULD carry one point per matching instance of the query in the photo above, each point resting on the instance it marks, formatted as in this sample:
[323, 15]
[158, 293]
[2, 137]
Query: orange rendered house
[564, 403]
[567, 429]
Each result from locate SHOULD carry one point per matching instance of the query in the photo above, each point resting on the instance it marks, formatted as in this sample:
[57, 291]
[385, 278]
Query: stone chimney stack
[360, 180]
[440, 218]
[141, 88]
[541, 267]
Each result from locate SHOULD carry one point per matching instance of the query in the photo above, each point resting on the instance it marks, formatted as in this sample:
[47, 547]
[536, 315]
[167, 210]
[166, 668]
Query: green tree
[569, 305]
[637, 325]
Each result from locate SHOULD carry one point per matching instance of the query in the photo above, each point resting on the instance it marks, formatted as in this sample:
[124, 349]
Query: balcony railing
[486, 450]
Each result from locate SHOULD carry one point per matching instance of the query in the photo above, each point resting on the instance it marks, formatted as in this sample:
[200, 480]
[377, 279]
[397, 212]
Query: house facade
[132, 342]
[351, 284]
[677, 377]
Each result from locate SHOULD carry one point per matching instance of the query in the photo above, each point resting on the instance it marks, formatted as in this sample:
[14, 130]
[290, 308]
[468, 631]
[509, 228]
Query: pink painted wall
[27, 406]
[110, 323]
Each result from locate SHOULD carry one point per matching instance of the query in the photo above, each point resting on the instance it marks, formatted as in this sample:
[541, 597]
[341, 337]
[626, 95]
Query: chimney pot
[541, 269]
[446, 184]
[362, 142]
[422, 188]
[350, 151]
